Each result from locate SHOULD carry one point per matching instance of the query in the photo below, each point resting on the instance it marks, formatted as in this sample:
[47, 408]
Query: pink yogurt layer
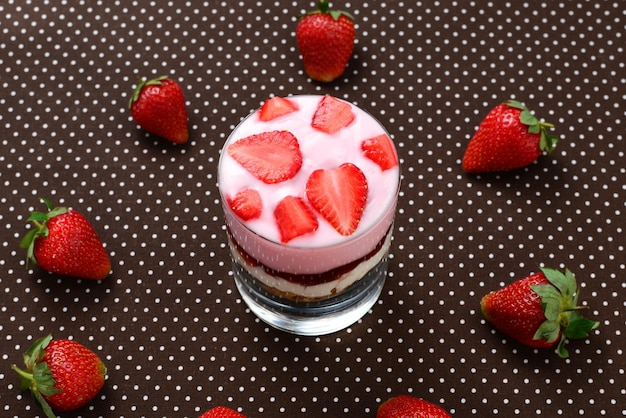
[325, 248]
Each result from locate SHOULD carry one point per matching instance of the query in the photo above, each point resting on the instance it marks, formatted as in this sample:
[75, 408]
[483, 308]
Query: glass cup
[323, 281]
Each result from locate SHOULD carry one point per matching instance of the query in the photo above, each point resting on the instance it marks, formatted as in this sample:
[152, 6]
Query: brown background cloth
[169, 323]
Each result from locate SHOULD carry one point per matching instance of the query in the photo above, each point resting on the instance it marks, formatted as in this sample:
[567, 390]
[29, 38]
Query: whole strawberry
[326, 40]
[404, 406]
[222, 412]
[158, 106]
[539, 310]
[62, 375]
[64, 242]
[509, 137]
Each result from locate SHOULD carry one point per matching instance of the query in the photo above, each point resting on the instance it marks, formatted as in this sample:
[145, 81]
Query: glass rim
[392, 206]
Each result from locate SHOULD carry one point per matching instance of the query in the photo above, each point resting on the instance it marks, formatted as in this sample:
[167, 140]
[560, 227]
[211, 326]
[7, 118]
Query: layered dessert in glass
[309, 186]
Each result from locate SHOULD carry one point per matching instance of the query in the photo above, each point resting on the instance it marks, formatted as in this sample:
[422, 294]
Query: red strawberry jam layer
[309, 287]
[309, 189]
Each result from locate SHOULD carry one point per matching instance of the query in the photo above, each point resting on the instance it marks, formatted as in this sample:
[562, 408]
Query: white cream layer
[318, 291]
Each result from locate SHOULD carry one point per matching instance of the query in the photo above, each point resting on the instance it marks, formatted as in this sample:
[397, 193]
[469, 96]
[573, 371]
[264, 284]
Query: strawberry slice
[275, 107]
[246, 204]
[272, 157]
[294, 218]
[339, 195]
[332, 114]
[380, 149]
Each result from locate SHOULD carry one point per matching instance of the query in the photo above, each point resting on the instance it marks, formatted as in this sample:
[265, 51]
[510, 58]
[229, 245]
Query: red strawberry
[64, 242]
[539, 310]
[509, 137]
[332, 114]
[246, 204]
[222, 412]
[339, 195]
[294, 218]
[158, 106]
[326, 40]
[62, 375]
[272, 157]
[380, 149]
[276, 107]
[404, 406]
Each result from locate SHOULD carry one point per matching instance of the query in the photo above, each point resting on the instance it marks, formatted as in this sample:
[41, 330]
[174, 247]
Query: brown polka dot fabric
[169, 323]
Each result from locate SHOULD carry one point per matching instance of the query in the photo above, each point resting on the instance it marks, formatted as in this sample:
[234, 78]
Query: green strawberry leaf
[534, 129]
[560, 304]
[56, 212]
[47, 202]
[515, 104]
[547, 291]
[143, 83]
[547, 141]
[52, 211]
[35, 352]
[527, 118]
[549, 330]
[550, 300]
[324, 8]
[552, 310]
[28, 238]
[44, 405]
[579, 327]
[561, 350]
[44, 381]
[336, 14]
[570, 280]
[564, 282]
[553, 301]
[38, 377]
[32, 358]
[39, 219]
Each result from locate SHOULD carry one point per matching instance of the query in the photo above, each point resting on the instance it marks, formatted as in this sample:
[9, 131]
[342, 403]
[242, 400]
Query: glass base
[312, 318]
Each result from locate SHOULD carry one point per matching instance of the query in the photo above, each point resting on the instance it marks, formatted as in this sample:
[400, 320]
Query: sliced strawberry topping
[246, 204]
[339, 195]
[380, 150]
[275, 107]
[294, 218]
[331, 115]
[271, 157]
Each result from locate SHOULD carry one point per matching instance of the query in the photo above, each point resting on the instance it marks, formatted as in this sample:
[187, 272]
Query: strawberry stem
[23, 375]
[323, 7]
[575, 308]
